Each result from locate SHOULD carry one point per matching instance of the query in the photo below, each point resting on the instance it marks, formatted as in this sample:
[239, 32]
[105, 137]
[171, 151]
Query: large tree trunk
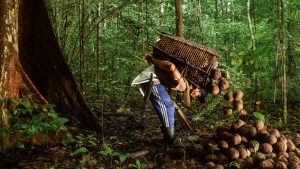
[32, 65]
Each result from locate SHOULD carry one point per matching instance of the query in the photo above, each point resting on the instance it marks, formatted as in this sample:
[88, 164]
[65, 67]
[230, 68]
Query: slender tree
[98, 50]
[179, 18]
[81, 44]
[284, 86]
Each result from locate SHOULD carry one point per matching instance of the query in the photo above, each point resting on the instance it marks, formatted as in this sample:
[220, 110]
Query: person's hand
[195, 93]
[149, 58]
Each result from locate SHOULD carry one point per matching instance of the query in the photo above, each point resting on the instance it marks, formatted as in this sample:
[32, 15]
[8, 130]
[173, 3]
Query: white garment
[144, 77]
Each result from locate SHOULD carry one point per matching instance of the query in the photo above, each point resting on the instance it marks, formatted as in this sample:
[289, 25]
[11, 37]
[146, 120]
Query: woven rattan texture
[194, 61]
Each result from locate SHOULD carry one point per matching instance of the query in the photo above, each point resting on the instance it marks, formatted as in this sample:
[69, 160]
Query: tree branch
[108, 14]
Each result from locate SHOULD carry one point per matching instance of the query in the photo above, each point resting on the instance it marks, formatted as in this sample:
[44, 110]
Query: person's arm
[167, 66]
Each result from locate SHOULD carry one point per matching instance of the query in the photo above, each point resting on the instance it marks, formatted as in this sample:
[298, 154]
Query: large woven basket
[194, 61]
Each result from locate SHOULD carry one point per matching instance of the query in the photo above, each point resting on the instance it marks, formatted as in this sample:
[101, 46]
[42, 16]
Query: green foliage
[259, 116]
[81, 150]
[217, 24]
[109, 152]
[138, 165]
[83, 141]
[30, 118]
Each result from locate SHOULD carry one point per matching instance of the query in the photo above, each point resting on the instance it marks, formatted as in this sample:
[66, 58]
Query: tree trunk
[32, 65]
[290, 48]
[81, 47]
[161, 12]
[179, 18]
[98, 50]
[250, 25]
[216, 9]
[199, 18]
[143, 29]
[284, 87]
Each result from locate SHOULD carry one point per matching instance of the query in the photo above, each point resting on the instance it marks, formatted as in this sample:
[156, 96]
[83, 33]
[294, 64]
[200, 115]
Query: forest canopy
[253, 58]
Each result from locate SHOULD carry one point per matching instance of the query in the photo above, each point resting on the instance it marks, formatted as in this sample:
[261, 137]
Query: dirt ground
[135, 136]
[129, 140]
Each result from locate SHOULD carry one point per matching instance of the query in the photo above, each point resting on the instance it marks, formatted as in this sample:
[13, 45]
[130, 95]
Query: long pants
[162, 105]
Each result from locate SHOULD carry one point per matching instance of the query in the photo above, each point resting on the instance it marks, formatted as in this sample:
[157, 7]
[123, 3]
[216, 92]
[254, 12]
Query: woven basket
[194, 61]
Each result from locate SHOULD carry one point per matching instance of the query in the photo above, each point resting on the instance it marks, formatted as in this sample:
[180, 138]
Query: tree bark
[216, 9]
[179, 18]
[32, 65]
[81, 42]
[284, 87]
[250, 25]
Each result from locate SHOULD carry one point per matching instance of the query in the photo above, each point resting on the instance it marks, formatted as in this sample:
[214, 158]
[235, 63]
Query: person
[162, 75]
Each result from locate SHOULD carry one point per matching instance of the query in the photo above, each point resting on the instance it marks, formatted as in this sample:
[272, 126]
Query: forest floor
[128, 141]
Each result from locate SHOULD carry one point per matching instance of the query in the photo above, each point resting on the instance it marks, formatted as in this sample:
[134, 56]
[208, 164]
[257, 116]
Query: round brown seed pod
[225, 74]
[241, 163]
[221, 129]
[282, 138]
[238, 105]
[259, 125]
[228, 96]
[294, 158]
[243, 153]
[285, 154]
[273, 155]
[211, 157]
[294, 163]
[262, 136]
[236, 139]
[223, 84]
[228, 111]
[218, 166]
[249, 163]
[251, 150]
[254, 144]
[243, 112]
[233, 153]
[215, 90]
[252, 132]
[209, 164]
[215, 74]
[225, 136]
[291, 153]
[198, 149]
[266, 164]
[236, 125]
[248, 131]
[258, 158]
[244, 130]
[222, 144]
[266, 148]
[280, 165]
[275, 132]
[244, 140]
[222, 158]
[283, 159]
[291, 146]
[238, 94]
[281, 146]
[271, 139]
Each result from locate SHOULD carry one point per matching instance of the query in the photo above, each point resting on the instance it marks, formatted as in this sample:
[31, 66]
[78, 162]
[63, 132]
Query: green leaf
[27, 105]
[259, 116]
[123, 157]
[19, 145]
[35, 128]
[23, 126]
[81, 150]
[107, 151]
